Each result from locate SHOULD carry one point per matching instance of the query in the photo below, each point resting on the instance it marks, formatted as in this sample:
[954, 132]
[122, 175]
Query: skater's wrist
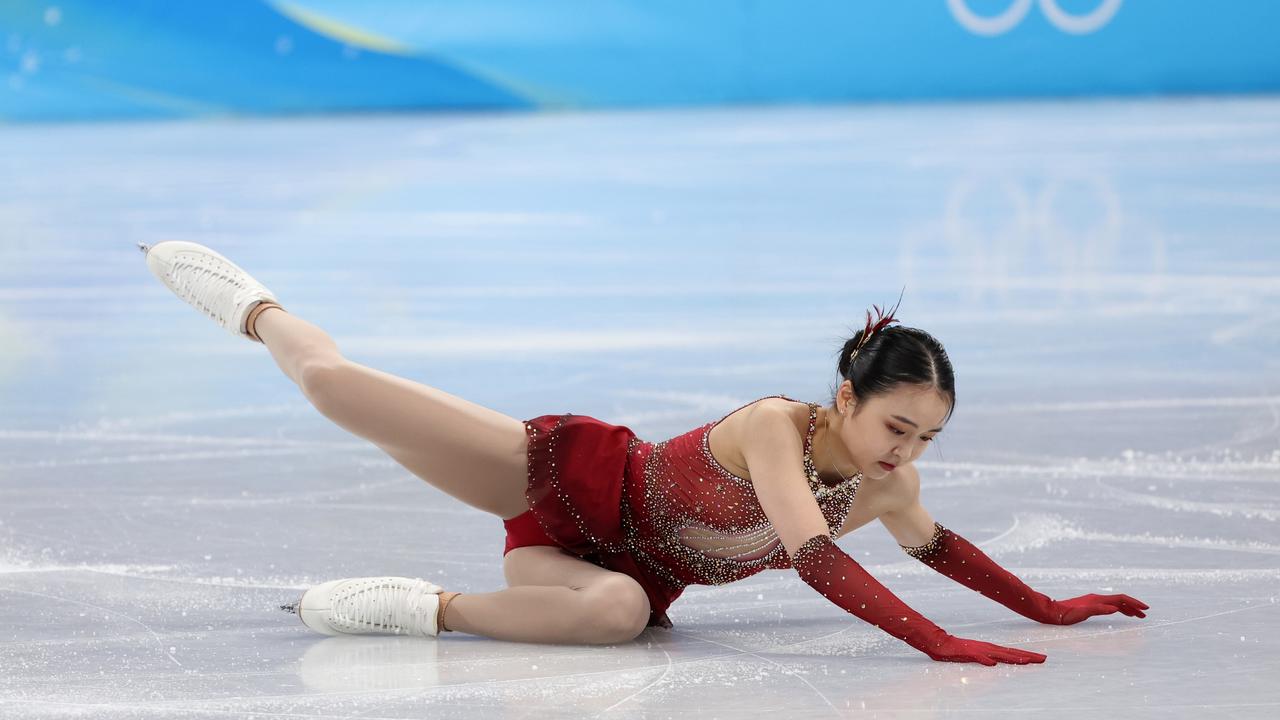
[927, 639]
[1050, 612]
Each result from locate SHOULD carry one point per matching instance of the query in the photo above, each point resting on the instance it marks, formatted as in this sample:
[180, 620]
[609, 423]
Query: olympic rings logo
[992, 25]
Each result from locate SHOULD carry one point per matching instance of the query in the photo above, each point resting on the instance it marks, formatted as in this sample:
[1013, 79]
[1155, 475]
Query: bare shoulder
[727, 438]
[781, 406]
[772, 411]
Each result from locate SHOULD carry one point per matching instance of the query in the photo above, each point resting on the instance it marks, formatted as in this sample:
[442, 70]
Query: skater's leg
[468, 451]
[579, 602]
[292, 341]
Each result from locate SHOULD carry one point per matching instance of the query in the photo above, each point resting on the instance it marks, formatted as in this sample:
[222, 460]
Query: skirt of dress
[579, 481]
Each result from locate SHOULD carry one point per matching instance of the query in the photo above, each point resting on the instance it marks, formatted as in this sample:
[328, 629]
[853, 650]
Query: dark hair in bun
[893, 356]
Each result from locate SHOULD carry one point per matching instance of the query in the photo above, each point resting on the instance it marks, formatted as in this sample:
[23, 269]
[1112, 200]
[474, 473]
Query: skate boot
[371, 606]
[208, 281]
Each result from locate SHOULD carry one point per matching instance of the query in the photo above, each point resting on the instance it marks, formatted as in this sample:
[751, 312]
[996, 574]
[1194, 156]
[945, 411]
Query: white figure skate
[208, 282]
[371, 606]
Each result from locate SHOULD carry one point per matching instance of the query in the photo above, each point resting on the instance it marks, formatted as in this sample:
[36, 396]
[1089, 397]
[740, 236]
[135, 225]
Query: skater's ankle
[250, 323]
[445, 599]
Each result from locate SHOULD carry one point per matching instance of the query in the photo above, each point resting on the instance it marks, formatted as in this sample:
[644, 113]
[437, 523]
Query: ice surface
[1104, 276]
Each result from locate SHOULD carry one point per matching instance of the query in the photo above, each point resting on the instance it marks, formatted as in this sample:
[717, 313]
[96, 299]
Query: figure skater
[605, 530]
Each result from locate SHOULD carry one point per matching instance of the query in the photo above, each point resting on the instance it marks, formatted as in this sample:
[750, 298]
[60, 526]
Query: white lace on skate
[384, 605]
[208, 282]
[205, 281]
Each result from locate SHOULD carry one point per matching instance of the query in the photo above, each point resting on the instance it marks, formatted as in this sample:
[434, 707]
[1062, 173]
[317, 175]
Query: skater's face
[894, 428]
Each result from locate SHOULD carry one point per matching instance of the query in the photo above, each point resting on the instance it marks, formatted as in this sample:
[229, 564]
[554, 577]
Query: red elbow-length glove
[960, 560]
[838, 577]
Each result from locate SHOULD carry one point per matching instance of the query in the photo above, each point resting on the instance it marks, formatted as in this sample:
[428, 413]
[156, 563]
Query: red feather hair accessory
[881, 321]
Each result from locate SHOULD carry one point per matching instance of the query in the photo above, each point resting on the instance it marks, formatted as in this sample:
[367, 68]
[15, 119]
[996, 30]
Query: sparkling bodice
[693, 522]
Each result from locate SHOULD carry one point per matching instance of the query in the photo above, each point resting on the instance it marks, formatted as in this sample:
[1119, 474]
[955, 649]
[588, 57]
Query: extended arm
[958, 559]
[773, 453]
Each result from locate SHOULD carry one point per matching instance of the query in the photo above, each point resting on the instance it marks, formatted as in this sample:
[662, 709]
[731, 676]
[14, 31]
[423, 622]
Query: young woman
[605, 530]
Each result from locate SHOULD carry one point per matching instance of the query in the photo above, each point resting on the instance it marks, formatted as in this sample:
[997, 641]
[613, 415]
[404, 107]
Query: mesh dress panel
[693, 522]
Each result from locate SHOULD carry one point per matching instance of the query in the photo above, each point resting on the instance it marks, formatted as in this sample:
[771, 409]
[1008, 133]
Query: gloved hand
[839, 578]
[1070, 612]
[960, 560]
[956, 649]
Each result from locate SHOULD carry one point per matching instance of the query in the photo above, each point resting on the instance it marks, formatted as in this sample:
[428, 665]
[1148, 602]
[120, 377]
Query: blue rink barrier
[89, 59]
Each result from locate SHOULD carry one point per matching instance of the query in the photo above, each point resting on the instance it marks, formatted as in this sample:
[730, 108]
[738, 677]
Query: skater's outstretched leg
[468, 451]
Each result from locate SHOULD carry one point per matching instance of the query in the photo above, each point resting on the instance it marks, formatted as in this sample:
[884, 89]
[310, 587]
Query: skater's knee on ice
[618, 609]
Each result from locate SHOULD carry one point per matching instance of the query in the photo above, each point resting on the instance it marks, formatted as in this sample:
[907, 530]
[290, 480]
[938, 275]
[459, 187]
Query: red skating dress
[666, 514]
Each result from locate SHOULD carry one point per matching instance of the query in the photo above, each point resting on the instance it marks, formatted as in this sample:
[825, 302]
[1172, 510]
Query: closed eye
[896, 431]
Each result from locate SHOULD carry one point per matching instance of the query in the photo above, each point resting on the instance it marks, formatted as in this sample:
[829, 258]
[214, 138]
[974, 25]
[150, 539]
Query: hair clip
[882, 320]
